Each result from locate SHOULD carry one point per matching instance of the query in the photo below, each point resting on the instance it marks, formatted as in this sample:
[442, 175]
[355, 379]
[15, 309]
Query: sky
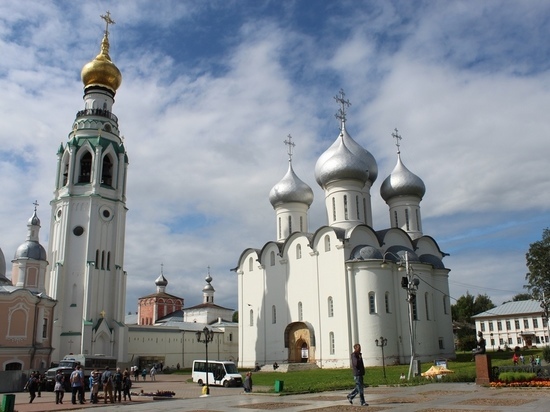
[211, 89]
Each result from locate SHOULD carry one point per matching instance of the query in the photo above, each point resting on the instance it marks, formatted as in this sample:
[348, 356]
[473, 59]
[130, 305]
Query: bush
[546, 354]
[516, 376]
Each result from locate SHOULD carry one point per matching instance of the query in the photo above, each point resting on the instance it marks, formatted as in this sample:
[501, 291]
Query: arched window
[108, 260]
[85, 168]
[330, 307]
[289, 225]
[102, 259]
[13, 366]
[301, 223]
[445, 305]
[273, 314]
[272, 258]
[250, 264]
[298, 251]
[387, 302]
[107, 171]
[65, 178]
[97, 258]
[333, 209]
[407, 222]
[251, 317]
[280, 229]
[331, 342]
[300, 311]
[327, 243]
[372, 303]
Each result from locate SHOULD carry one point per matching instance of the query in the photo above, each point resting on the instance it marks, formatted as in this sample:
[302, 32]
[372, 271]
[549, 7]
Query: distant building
[513, 324]
[172, 338]
[27, 312]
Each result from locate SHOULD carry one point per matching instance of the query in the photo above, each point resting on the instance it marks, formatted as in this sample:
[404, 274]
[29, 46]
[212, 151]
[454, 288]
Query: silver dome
[365, 252]
[161, 281]
[290, 189]
[357, 151]
[208, 288]
[402, 182]
[34, 221]
[30, 250]
[432, 260]
[2, 264]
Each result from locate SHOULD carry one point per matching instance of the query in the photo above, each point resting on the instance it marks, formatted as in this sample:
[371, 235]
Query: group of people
[144, 372]
[534, 361]
[34, 385]
[118, 383]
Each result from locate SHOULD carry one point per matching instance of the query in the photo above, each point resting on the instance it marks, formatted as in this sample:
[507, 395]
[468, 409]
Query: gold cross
[103, 313]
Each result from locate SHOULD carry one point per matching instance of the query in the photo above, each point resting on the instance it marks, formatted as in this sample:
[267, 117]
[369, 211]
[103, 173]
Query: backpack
[75, 377]
[106, 378]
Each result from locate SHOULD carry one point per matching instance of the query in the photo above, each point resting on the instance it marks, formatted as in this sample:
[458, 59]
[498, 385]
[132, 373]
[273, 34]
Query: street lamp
[208, 337]
[410, 283]
[492, 341]
[381, 343]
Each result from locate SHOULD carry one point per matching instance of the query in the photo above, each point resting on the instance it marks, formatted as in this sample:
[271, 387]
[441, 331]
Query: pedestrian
[126, 385]
[94, 388]
[153, 373]
[39, 381]
[118, 385]
[144, 373]
[32, 386]
[358, 372]
[136, 373]
[59, 387]
[247, 385]
[77, 385]
[107, 380]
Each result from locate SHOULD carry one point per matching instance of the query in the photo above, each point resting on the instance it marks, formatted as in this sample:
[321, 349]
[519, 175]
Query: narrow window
[108, 260]
[300, 311]
[102, 259]
[65, 173]
[387, 302]
[346, 207]
[331, 342]
[372, 303]
[85, 168]
[516, 322]
[333, 209]
[301, 223]
[97, 258]
[445, 304]
[280, 228]
[427, 304]
[273, 314]
[441, 346]
[272, 258]
[417, 220]
[107, 171]
[526, 323]
[508, 325]
[395, 218]
[357, 206]
[298, 251]
[365, 209]
[327, 243]
[407, 223]
[330, 307]
[251, 317]
[250, 264]
[45, 328]
[499, 325]
[491, 328]
[535, 323]
[289, 225]
[482, 326]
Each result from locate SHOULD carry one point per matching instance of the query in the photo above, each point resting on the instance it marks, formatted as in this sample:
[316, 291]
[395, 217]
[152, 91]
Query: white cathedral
[86, 246]
[309, 296]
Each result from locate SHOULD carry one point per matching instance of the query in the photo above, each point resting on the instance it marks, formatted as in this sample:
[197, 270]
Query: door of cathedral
[300, 343]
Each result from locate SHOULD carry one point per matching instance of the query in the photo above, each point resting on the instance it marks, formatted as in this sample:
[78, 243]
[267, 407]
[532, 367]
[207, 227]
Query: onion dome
[290, 189]
[432, 260]
[101, 71]
[2, 267]
[402, 182]
[345, 159]
[208, 287]
[161, 281]
[31, 248]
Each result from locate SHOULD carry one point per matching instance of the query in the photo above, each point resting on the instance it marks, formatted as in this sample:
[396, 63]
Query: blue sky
[211, 89]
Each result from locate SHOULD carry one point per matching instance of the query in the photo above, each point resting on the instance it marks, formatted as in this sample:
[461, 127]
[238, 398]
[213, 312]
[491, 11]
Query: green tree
[235, 316]
[522, 296]
[467, 306]
[538, 277]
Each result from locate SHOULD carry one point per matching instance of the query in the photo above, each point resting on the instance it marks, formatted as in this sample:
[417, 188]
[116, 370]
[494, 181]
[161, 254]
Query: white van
[223, 373]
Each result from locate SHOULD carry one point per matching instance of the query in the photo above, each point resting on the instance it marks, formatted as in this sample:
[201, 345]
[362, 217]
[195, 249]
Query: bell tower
[88, 221]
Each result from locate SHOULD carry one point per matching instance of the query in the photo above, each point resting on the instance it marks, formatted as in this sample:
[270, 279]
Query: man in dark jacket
[358, 373]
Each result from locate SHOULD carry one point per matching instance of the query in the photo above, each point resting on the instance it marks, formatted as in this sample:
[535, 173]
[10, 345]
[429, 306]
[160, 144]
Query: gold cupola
[101, 71]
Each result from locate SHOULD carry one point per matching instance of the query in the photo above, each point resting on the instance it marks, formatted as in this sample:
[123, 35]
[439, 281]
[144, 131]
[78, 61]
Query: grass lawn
[320, 380]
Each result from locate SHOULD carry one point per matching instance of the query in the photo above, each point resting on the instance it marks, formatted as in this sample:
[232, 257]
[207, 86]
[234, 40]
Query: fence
[12, 381]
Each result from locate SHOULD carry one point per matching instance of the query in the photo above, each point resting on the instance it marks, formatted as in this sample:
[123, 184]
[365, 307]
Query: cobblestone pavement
[437, 397]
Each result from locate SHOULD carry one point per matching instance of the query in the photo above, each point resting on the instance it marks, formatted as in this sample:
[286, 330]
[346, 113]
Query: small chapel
[308, 296]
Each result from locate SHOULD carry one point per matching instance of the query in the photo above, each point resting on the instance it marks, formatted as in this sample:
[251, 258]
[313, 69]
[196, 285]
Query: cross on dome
[397, 138]
[341, 113]
[290, 145]
[35, 203]
[108, 20]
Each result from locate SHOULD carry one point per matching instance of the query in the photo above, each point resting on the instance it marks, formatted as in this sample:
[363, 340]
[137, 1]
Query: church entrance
[300, 341]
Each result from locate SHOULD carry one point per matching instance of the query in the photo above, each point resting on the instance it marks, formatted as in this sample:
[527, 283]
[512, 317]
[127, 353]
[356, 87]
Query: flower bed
[533, 383]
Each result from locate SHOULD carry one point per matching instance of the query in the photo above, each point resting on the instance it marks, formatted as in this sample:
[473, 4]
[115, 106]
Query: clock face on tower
[106, 213]
[78, 231]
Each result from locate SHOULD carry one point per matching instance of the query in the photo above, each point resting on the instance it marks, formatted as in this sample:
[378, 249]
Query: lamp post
[208, 336]
[492, 341]
[410, 283]
[381, 343]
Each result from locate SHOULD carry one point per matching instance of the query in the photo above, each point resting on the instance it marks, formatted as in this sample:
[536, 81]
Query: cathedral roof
[161, 295]
[290, 189]
[402, 182]
[31, 250]
[345, 159]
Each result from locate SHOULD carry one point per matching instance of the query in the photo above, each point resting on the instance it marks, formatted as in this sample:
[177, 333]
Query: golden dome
[101, 71]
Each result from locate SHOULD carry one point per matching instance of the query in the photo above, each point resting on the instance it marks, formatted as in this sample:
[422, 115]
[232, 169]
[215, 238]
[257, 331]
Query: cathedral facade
[86, 247]
[309, 296]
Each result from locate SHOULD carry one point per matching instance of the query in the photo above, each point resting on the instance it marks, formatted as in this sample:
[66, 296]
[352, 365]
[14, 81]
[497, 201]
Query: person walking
[358, 372]
[59, 387]
[153, 373]
[107, 380]
[126, 385]
[32, 386]
[77, 385]
[118, 385]
[94, 385]
[247, 385]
